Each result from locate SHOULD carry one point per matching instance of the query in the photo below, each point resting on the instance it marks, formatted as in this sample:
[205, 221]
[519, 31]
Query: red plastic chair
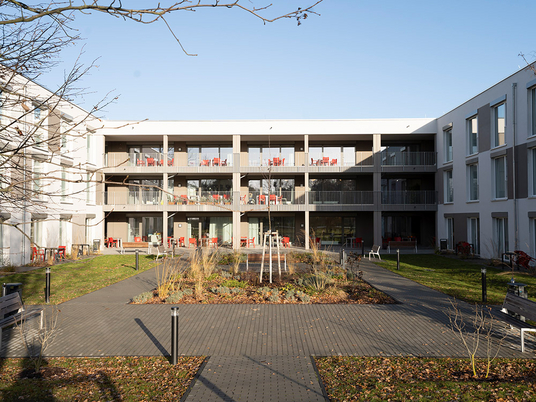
[181, 242]
[216, 162]
[39, 254]
[243, 241]
[252, 242]
[334, 162]
[286, 241]
[262, 199]
[224, 163]
[325, 160]
[150, 161]
[60, 253]
[214, 242]
[140, 162]
[205, 162]
[358, 240]
[277, 162]
[273, 199]
[283, 163]
[170, 163]
[191, 241]
[313, 162]
[397, 238]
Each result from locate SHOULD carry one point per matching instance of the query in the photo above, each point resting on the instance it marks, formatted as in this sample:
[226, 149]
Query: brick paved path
[261, 350]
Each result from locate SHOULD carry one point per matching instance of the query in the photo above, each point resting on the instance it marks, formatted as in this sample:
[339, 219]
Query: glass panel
[348, 156]
[500, 124]
[287, 156]
[533, 93]
[500, 178]
[472, 132]
[449, 193]
[193, 228]
[209, 153]
[327, 229]
[226, 155]
[268, 154]
[448, 146]
[193, 156]
[254, 156]
[533, 160]
[473, 182]
[332, 156]
[193, 188]
[315, 154]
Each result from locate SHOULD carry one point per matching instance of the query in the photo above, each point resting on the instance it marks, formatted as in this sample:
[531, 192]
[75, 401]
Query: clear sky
[359, 59]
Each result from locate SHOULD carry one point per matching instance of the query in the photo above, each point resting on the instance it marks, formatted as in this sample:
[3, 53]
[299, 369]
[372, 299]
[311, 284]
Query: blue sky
[359, 59]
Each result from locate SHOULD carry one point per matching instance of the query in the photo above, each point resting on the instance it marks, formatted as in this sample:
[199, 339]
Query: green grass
[405, 378]
[75, 279]
[458, 278]
[99, 379]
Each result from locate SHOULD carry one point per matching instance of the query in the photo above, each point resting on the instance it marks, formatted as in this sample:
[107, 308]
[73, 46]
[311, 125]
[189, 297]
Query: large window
[449, 188]
[449, 233]
[333, 230]
[447, 135]
[37, 180]
[284, 225]
[533, 111]
[472, 135]
[275, 155]
[500, 236]
[473, 233]
[499, 124]
[499, 177]
[212, 155]
[472, 182]
[332, 156]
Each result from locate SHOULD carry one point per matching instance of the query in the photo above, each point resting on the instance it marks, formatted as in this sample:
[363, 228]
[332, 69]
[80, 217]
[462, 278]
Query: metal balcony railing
[341, 197]
[274, 198]
[408, 158]
[141, 197]
[409, 197]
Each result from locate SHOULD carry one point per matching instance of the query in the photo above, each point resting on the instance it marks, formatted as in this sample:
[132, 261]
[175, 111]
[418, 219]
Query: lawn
[409, 378]
[458, 278]
[98, 379]
[77, 278]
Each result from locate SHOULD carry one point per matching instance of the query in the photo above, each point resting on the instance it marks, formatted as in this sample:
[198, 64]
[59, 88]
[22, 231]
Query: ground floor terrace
[244, 229]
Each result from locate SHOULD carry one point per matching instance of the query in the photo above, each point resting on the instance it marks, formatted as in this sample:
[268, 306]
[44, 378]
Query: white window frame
[532, 111]
[447, 142]
[472, 132]
[532, 171]
[448, 187]
[496, 125]
[473, 233]
[470, 182]
[496, 179]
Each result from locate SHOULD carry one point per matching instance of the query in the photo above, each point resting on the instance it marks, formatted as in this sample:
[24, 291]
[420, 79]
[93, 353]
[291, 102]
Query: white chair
[375, 251]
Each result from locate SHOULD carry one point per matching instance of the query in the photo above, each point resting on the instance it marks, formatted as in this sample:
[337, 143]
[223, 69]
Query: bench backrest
[375, 248]
[10, 303]
[520, 305]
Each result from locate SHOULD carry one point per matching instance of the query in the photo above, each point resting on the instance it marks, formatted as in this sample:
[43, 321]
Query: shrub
[221, 290]
[233, 283]
[188, 292]
[274, 298]
[289, 295]
[236, 290]
[317, 281]
[225, 274]
[175, 297]
[264, 291]
[305, 298]
[142, 298]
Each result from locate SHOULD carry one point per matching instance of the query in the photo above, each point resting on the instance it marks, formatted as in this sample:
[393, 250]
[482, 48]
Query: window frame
[448, 187]
[495, 189]
[495, 125]
[470, 183]
[449, 152]
[472, 149]
[472, 236]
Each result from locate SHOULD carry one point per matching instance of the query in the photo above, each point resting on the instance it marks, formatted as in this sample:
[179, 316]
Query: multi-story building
[486, 175]
[336, 179]
[469, 175]
[48, 172]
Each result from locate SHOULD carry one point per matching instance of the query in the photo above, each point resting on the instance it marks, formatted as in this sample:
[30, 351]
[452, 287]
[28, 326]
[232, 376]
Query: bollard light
[174, 335]
[137, 260]
[47, 285]
[484, 286]
[398, 259]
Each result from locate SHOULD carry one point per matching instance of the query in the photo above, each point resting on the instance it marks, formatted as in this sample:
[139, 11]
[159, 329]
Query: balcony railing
[361, 159]
[408, 158]
[149, 159]
[141, 197]
[409, 197]
[275, 198]
[341, 197]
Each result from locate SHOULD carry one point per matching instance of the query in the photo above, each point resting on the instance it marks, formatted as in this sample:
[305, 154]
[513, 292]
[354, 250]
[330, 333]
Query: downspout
[514, 164]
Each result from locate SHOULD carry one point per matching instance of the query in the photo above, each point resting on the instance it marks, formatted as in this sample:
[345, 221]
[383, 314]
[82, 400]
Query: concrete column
[165, 146]
[236, 191]
[307, 189]
[165, 205]
[376, 187]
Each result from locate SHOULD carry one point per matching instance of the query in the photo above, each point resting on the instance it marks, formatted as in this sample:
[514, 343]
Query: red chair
[277, 162]
[286, 241]
[214, 242]
[224, 163]
[358, 240]
[216, 162]
[273, 199]
[150, 161]
[181, 242]
[252, 242]
[137, 239]
[39, 254]
[313, 162]
[334, 162]
[140, 162]
[243, 241]
[191, 241]
[170, 163]
[60, 253]
[283, 163]
[109, 242]
[262, 199]
[205, 162]
[325, 160]
[216, 197]
[170, 240]
[398, 238]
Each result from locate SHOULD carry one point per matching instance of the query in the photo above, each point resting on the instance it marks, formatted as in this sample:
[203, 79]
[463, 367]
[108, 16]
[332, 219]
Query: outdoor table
[51, 252]
[81, 248]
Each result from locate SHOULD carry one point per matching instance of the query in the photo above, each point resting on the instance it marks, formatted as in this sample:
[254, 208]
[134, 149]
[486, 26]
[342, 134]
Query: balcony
[408, 161]
[409, 200]
[202, 198]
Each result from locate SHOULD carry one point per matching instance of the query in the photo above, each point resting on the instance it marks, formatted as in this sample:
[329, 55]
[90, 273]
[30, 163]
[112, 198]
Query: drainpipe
[514, 164]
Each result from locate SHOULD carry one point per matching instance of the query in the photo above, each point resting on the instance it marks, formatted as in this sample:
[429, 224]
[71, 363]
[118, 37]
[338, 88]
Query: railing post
[47, 285]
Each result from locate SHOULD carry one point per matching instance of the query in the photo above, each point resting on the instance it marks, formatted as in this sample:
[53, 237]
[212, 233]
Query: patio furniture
[170, 162]
[285, 241]
[205, 162]
[192, 241]
[243, 199]
[184, 199]
[224, 162]
[273, 199]
[150, 161]
[262, 199]
[214, 242]
[216, 162]
[252, 242]
[325, 161]
[374, 251]
[277, 162]
[140, 162]
[243, 241]
[334, 162]
[60, 253]
[38, 253]
[313, 162]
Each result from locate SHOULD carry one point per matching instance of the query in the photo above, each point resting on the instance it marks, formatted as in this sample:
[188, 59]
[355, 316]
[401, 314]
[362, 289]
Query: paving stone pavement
[261, 352]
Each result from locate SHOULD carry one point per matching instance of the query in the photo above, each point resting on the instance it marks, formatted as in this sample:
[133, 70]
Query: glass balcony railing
[141, 197]
[341, 197]
[275, 198]
[408, 158]
[409, 197]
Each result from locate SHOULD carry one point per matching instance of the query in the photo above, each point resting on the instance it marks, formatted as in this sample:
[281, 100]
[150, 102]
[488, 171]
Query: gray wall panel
[484, 128]
[522, 182]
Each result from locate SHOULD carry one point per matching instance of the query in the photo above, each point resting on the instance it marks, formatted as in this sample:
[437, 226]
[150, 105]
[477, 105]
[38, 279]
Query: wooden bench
[525, 308]
[10, 304]
[402, 244]
[374, 251]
